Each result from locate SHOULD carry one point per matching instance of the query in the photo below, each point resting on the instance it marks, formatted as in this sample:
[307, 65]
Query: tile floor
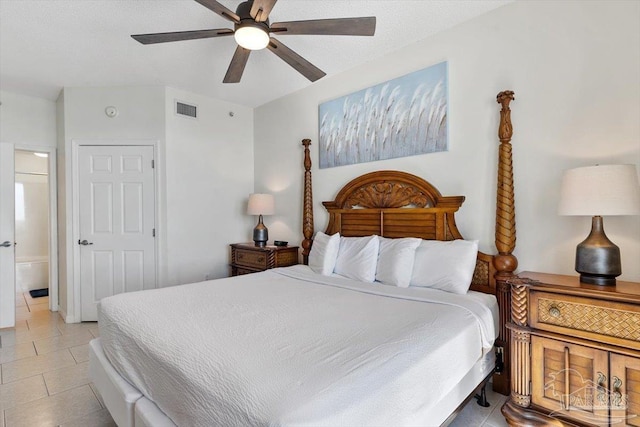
[43, 367]
[475, 415]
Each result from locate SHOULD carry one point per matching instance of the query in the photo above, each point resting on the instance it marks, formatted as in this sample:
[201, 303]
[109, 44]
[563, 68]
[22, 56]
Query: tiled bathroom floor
[44, 363]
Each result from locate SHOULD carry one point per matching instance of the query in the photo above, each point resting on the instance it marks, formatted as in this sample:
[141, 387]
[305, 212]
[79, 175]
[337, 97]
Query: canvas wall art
[402, 117]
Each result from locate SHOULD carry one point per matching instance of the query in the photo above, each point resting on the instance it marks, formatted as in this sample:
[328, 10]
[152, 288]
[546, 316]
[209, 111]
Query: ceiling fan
[251, 31]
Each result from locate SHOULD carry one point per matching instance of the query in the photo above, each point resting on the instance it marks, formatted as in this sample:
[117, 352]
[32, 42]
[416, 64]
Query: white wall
[209, 177]
[141, 117]
[574, 67]
[26, 120]
[204, 167]
[64, 262]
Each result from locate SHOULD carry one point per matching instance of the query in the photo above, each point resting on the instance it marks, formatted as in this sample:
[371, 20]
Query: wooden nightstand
[575, 352]
[248, 258]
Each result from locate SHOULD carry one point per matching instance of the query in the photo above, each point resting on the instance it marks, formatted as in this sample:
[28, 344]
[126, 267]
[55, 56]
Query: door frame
[8, 290]
[53, 217]
[75, 316]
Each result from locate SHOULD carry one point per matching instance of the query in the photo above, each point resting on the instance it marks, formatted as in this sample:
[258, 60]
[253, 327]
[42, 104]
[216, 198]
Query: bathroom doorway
[32, 229]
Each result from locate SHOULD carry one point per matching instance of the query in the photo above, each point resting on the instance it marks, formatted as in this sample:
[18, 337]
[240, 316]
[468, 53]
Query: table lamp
[599, 191]
[260, 204]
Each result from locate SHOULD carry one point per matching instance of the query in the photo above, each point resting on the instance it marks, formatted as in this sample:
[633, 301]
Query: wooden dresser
[248, 258]
[575, 352]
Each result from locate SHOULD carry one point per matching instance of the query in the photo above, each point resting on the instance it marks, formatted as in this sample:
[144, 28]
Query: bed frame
[397, 204]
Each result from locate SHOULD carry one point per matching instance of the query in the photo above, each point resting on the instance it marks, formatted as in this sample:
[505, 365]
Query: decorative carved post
[520, 345]
[505, 262]
[520, 358]
[307, 207]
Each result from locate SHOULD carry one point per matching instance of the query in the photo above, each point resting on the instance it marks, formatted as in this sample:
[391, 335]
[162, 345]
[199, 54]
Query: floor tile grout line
[97, 397]
[45, 384]
[74, 359]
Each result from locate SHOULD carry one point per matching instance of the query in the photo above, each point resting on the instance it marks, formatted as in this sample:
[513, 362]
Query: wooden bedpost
[307, 207]
[505, 262]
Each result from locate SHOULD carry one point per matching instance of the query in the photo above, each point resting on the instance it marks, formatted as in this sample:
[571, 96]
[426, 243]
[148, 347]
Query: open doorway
[32, 230]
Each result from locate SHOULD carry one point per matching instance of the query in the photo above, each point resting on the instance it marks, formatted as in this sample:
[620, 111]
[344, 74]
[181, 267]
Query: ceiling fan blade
[236, 68]
[220, 10]
[181, 35]
[365, 26]
[261, 9]
[303, 66]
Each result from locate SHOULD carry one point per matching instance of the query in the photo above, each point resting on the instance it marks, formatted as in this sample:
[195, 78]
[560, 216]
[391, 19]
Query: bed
[292, 347]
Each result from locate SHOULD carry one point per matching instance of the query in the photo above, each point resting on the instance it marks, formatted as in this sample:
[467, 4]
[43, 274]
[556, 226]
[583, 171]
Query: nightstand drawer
[599, 320]
[250, 258]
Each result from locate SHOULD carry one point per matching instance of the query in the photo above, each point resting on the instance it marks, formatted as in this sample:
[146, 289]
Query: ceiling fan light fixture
[251, 36]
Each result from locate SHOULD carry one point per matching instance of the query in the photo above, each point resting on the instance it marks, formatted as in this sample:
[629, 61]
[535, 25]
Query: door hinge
[153, 233]
[153, 164]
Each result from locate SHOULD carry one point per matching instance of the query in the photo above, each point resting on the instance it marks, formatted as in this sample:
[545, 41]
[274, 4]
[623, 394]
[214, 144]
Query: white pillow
[324, 251]
[446, 265]
[357, 258]
[395, 261]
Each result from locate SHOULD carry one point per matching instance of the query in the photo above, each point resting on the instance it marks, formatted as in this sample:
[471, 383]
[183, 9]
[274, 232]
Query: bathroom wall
[32, 207]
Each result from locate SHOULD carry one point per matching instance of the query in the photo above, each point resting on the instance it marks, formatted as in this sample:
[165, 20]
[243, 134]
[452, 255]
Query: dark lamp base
[260, 234]
[599, 280]
[597, 258]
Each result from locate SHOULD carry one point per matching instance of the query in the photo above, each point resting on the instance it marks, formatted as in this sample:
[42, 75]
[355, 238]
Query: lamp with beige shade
[260, 204]
[599, 191]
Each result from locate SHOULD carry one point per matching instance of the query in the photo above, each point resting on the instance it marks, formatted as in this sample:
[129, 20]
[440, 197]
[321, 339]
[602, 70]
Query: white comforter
[288, 347]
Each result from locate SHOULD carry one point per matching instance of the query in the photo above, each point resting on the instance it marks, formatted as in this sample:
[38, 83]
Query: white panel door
[7, 236]
[117, 221]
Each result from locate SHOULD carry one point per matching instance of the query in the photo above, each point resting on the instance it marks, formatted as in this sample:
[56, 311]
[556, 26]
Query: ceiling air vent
[186, 110]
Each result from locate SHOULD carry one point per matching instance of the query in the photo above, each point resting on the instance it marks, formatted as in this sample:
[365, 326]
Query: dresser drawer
[249, 258]
[603, 321]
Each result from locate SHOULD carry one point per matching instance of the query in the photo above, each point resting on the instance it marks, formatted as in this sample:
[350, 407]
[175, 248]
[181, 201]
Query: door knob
[6, 244]
[84, 242]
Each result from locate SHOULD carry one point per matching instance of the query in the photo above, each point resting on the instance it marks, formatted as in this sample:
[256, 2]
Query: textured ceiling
[46, 45]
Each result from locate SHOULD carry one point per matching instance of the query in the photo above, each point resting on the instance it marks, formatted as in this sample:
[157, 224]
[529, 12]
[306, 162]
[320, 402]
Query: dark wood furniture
[248, 258]
[575, 352]
[398, 204]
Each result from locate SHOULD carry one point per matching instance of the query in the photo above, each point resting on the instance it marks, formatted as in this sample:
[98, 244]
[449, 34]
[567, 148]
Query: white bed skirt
[129, 408]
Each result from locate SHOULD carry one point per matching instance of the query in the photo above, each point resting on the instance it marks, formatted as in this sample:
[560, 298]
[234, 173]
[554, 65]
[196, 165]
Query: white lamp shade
[600, 190]
[260, 204]
[251, 37]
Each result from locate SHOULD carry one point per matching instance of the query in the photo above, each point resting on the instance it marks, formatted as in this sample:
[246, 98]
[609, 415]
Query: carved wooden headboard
[398, 204]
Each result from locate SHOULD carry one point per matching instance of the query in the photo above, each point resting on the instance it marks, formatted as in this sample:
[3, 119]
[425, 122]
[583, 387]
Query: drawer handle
[240, 256]
[554, 311]
[616, 394]
[261, 259]
[602, 388]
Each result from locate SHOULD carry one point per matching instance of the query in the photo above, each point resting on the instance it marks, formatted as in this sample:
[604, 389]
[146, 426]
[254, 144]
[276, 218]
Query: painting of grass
[402, 117]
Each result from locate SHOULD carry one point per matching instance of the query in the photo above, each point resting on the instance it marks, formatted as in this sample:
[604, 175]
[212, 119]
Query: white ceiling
[46, 45]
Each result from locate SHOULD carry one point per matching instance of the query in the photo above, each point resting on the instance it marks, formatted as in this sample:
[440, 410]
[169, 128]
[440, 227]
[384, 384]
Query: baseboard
[67, 318]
